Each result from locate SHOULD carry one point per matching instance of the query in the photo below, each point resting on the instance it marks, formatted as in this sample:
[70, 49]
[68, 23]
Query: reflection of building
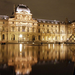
[21, 27]
[22, 56]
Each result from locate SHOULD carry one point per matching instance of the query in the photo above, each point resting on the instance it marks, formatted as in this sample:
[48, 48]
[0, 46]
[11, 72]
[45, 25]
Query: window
[39, 37]
[33, 29]
[3, 28]
[3, 37]
[23, 28]
[38, 30]
[3, 22]
[12, 22]
[43, 25]
[12, 28]
[27, 29]
[56, 38]
[47, 30]
[38, 24]
[47, 25]
[52, 26]
[55, 26]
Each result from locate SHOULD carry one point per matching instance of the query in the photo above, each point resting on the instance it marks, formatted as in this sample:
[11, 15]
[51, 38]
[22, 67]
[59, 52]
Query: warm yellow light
[20, 47]
[20, 35]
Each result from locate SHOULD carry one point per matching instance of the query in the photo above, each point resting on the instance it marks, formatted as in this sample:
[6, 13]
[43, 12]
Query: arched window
[3, 37]
[13, 37]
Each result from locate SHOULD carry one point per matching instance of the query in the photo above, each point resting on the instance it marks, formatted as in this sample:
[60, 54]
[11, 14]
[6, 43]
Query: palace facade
[21, 27]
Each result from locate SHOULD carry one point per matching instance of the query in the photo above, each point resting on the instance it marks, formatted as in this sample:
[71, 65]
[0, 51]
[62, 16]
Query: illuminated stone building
[21, 27]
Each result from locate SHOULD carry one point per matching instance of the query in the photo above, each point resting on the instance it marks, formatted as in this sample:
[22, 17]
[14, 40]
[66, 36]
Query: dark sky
[43, 9]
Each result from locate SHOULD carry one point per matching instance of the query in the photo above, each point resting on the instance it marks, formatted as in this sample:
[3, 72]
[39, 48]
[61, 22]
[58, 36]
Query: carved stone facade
[21, 27]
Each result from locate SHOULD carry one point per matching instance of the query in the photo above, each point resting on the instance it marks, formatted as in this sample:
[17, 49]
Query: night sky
[43, 9]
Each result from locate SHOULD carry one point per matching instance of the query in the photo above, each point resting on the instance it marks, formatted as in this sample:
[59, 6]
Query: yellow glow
[61, 38]
[20, 35]
[53, 46]
[49, 46]
[20, 47]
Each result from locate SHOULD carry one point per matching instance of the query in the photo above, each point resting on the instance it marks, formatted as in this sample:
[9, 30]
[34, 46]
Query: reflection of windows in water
[32, 59]
[23, 66]
[32, 53]
[27, 65]
[28, 52]
[23, 54]
[2, 47]
[18, 66]
[3, 60]
[47, 52]
[38, 52]
[12, 54]
[12, 60]
[2, 54]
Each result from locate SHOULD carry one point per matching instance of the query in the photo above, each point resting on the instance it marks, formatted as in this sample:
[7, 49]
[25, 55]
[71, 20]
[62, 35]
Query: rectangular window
[33, 29]
[47, 30]
[38, 24]
[39, 37]
[23, 28]
[47, 25]
[12, 28]
[3, 22]
[38, 30]
[43, 25]
[27, 29]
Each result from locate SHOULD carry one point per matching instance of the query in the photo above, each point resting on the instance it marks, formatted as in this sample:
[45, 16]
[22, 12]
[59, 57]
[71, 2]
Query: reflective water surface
[23, 56]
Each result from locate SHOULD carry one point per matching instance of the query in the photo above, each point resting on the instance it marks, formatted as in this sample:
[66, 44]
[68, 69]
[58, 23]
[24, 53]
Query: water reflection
[23, 56]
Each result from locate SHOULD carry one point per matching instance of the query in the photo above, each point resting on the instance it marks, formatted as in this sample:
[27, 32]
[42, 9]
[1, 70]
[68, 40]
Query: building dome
[22, 7]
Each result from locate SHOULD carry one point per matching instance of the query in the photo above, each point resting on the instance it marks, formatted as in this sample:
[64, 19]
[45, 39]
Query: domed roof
[22, 7]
